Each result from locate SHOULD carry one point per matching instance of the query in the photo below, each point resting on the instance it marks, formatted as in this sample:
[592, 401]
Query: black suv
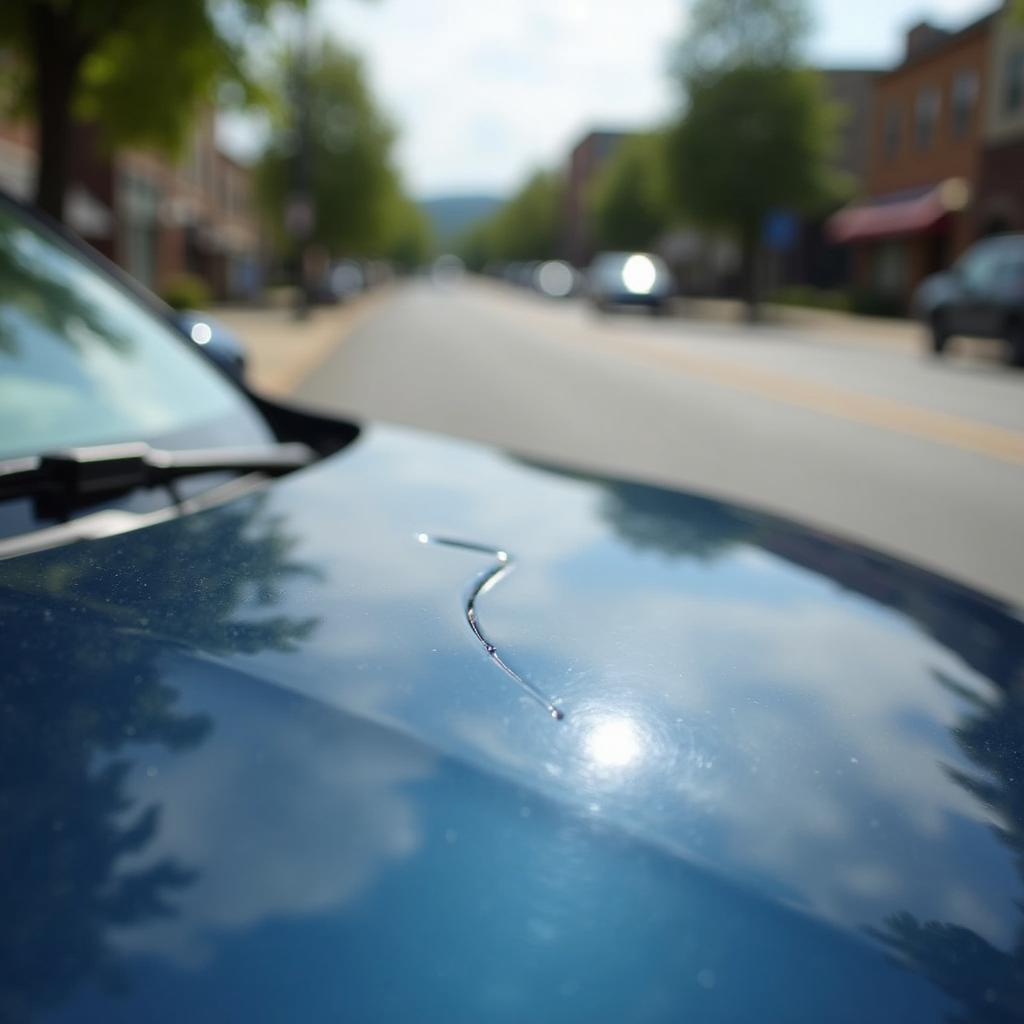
[983, 294]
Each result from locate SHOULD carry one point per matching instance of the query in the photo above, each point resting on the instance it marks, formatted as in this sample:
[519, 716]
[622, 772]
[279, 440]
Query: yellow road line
[947, 429]
[884, 413]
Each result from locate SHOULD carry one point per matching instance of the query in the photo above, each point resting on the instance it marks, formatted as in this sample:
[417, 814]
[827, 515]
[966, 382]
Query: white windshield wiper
[76, 475]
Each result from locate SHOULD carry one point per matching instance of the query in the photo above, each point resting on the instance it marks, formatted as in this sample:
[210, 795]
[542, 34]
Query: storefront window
[890, 268]
[964, 97]
[926, 116]
[1013, 83]
[891, 131]
[139, 201]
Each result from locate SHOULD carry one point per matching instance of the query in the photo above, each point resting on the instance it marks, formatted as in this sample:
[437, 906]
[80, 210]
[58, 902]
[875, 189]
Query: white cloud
[304, 827]
[484, 92]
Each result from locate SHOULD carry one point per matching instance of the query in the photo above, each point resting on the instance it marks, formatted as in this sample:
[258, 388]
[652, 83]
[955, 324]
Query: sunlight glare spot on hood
[614, 743]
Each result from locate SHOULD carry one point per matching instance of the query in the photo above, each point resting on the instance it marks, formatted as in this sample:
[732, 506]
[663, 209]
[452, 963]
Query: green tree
[410, 236]
[139, 68]
[355, 188]
[754, 139]
[78, 715]
[527, 227]
[477, 245]
[758, 132]
[630, 200]
[985, 982]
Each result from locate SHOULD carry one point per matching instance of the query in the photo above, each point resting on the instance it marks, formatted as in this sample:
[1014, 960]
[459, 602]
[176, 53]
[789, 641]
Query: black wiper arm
[76, 474]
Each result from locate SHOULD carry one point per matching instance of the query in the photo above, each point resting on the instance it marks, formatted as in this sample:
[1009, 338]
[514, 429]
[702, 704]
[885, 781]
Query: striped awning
[912, 211]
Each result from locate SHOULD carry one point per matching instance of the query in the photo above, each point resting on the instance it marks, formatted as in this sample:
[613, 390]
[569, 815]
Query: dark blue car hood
[257, 766]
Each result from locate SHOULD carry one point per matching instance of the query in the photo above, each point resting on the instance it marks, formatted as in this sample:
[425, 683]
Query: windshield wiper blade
[77, 474]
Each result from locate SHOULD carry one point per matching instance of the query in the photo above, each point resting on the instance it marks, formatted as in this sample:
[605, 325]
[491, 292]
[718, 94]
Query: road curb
[283, 352]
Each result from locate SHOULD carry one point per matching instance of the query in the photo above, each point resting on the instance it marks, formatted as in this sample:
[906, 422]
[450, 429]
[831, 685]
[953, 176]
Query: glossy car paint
[257, 766]
[982, 295]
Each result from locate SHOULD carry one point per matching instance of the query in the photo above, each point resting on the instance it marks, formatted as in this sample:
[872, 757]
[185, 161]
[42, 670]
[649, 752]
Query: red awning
[901, 213]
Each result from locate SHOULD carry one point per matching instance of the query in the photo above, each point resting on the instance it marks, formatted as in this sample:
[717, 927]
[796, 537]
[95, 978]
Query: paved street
[858, 433]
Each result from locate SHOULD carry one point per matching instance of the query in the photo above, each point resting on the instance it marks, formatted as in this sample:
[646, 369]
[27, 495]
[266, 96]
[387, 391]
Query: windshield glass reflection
[81, 362]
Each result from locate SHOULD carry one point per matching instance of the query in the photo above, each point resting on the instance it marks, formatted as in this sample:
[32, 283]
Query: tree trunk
[56, 65]
[750, 278]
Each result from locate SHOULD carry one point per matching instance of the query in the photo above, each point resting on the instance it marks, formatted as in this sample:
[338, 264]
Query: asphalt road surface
[863, 436]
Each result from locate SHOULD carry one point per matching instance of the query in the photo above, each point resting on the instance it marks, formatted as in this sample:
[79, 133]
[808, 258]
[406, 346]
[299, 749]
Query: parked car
[305, 721]
[629, 279]
[220, 342]
[983, 294]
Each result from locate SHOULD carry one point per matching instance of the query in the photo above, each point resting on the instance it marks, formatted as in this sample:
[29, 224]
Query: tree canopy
[630, 200]
[527, 227]
[408, 236]
[358, 200]
[757, 132]
[753, 139]
[139, 68]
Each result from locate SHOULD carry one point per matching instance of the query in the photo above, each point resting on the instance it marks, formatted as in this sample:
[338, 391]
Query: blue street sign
[780, 230]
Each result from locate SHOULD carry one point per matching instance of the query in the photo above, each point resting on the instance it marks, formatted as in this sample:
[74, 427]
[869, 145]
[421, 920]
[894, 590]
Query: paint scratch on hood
[502, 567]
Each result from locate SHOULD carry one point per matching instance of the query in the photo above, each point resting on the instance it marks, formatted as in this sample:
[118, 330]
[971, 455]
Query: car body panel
[982, 295]
[214, 338]
[259, 766]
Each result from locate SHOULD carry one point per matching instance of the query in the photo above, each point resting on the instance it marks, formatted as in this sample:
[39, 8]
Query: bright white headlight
[639, 275]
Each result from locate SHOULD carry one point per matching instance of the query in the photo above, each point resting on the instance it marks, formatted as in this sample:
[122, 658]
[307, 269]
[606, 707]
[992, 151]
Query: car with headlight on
[304, 720]
[629, 279]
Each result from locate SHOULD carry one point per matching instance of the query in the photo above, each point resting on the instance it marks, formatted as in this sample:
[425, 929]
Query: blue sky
[485, 90]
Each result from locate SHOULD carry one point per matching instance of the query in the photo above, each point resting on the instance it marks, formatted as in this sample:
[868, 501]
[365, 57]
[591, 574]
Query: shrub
[871, 303]
[186, 291]
[813, 298]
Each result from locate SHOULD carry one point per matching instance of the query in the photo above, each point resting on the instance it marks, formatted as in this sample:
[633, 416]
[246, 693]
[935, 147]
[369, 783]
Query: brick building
[585, 161]
[999, 204]
[925, 159]
[155, 217]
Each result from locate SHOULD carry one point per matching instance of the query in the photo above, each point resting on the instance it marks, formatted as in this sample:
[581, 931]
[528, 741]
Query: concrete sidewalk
[283, 351]
[824, 326]
[829, 327]
[882, 330]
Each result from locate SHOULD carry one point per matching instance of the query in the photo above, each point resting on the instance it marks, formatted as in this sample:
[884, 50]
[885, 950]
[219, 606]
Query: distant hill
[451, 215]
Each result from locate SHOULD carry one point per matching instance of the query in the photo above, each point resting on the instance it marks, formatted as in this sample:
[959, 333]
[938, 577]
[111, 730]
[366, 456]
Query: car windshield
[83, 362]
[610, 262]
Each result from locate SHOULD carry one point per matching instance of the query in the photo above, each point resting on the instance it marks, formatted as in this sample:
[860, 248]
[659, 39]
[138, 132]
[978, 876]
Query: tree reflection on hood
[82, 699]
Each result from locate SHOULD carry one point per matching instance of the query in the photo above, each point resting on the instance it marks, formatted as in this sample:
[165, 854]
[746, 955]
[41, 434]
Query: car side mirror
[214, 339]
